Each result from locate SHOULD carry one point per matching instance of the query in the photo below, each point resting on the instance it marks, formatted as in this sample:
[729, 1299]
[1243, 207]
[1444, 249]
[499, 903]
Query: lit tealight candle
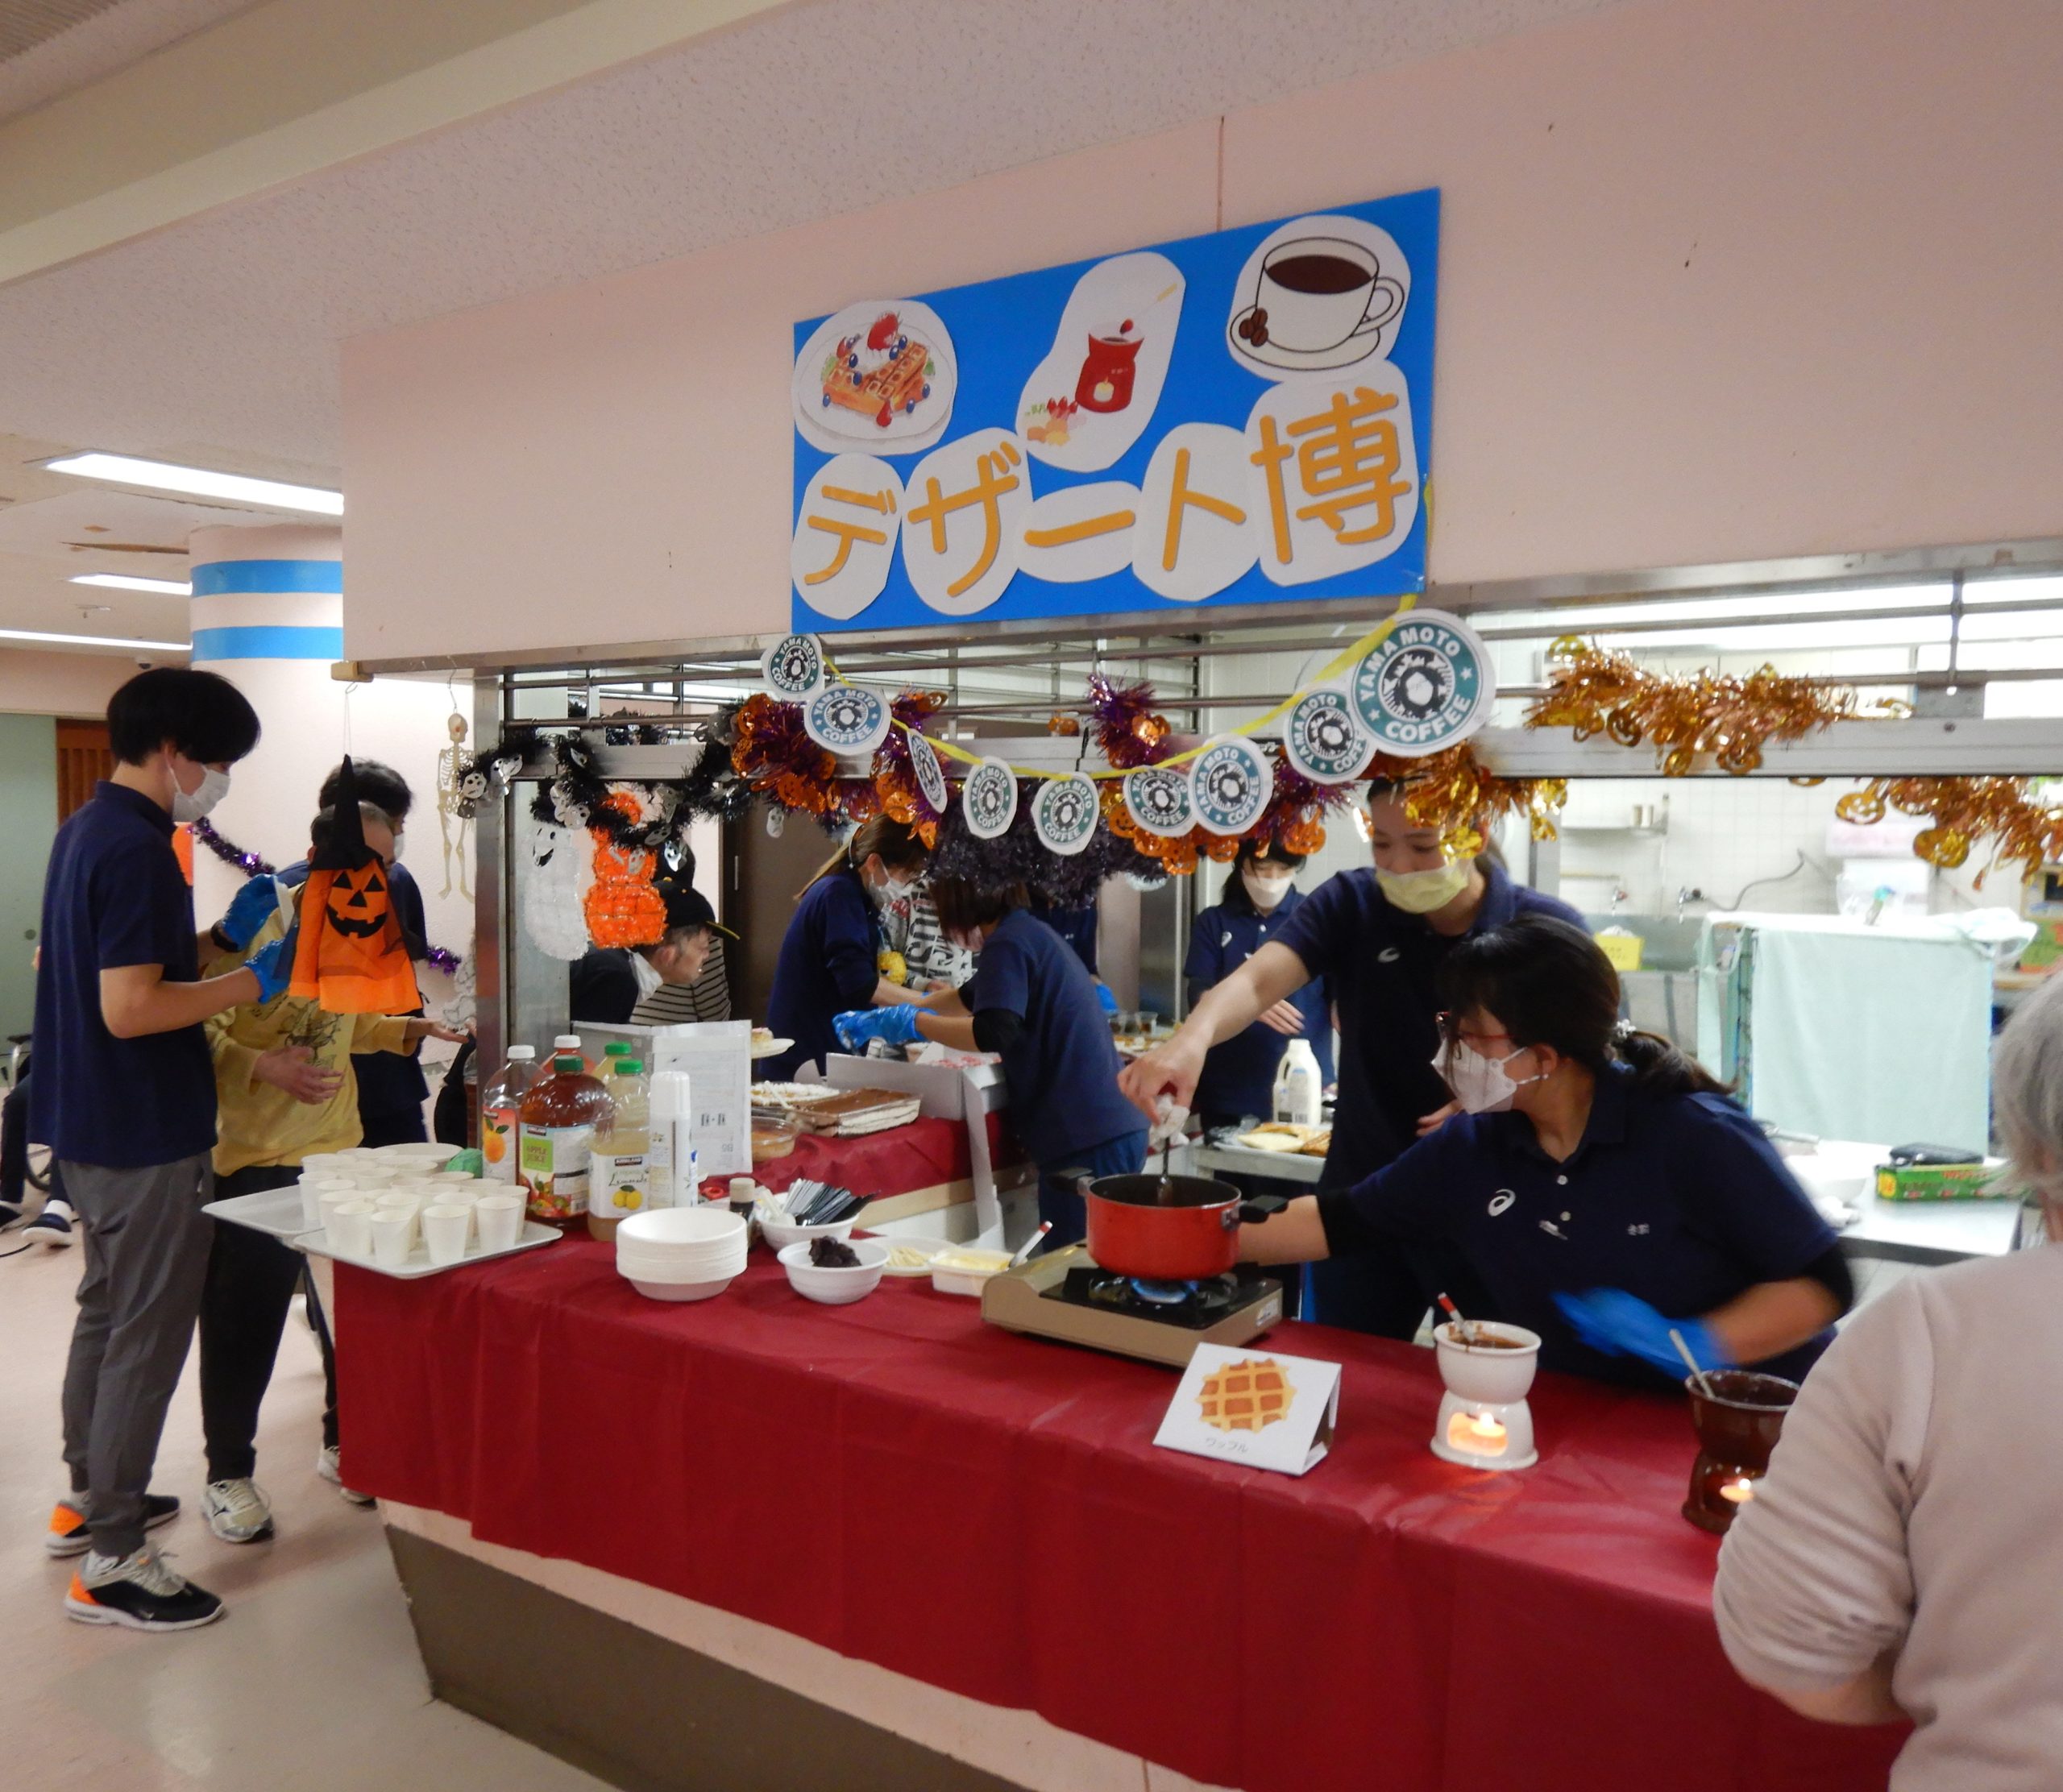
[1482, 1432]
[1740, 1491]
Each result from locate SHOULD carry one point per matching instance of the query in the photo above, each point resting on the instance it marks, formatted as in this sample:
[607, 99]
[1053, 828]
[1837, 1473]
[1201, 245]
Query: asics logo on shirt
[1501, 1201]
[1388, 955]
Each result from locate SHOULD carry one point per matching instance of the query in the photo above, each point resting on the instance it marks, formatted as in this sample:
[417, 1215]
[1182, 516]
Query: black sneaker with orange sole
[68, 1535]
[139, 1592]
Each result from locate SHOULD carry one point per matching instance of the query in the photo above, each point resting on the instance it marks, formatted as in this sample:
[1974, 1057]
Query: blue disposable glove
[897, 1024]
[1619, 1324]
[273, 967]
[249, 910]
[1105, 999]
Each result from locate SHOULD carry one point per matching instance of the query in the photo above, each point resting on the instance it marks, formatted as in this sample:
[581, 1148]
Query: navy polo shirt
[1382, 967]
[1238, 1076]
[115, 896]
[1076, 926]
[1062, 1069]
[829, 963]
[1678, 1199]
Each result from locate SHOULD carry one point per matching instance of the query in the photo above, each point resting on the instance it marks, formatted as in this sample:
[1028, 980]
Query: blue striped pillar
[270, 593]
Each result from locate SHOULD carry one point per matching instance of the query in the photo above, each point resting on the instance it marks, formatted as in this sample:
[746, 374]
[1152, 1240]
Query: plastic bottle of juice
[620, 1157]
[559, 1114]
[499, 1112]
[612, 1056]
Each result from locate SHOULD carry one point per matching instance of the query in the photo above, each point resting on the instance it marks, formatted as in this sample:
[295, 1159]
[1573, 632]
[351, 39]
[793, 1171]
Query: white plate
[927, 1245]
[277, 1211]
[419, 1264]
[770, 1048]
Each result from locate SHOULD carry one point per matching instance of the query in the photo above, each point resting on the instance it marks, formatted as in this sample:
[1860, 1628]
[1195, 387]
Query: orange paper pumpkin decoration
[349, 957]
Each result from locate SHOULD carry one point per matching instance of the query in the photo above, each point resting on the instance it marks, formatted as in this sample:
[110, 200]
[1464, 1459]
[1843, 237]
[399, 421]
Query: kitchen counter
[733, 1541]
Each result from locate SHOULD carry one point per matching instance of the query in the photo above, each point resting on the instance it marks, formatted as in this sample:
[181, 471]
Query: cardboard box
[1943, 1182]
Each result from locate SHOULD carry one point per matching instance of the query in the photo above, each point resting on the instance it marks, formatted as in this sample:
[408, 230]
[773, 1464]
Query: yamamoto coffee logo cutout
[1230, 783]
[989, 795]
[930, 776]
[1065, 813]
[1324, 740]
[793, 667]
[1426, 687]
[843, 718]
[1157, 799]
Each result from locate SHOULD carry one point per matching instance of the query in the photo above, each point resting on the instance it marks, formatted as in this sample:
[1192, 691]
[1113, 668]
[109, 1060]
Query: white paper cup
[393, 1237]
[329, 1200]
[500, 1219]
[349, 1224]
[420, 1152]
[444, 1232]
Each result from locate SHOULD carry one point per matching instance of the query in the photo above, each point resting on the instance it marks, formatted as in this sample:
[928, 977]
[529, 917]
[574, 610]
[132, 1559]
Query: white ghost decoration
[553, 872]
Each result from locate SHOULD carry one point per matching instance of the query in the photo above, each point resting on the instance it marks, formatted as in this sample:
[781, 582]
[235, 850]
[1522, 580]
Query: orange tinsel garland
[1686, 715]
[1964, 810]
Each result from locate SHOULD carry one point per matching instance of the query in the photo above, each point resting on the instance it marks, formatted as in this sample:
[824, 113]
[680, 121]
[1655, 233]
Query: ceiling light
[126, 582]
[94, 641]
[201, 482]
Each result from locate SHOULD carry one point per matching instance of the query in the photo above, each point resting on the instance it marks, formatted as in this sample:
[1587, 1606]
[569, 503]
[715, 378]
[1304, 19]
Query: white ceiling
[218, 337]
[71, 43]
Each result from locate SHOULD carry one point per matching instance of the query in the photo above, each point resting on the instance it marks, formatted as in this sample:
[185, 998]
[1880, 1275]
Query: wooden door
[766, 873]
[83, 760]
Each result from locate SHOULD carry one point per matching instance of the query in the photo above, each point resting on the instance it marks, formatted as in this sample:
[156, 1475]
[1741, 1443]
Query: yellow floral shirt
[259, 1124]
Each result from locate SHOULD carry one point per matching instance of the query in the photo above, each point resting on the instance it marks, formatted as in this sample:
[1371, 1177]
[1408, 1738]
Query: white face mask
[1265, 893]
[892, 890]
[1480, 1084]
[194, 805]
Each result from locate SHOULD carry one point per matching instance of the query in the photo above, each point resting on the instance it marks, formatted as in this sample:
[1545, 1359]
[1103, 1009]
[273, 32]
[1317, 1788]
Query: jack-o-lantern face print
[358, 904]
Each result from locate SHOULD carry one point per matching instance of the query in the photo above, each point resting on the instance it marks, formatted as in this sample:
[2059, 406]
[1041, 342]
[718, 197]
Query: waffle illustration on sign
[879, 372]
[1249, 1395]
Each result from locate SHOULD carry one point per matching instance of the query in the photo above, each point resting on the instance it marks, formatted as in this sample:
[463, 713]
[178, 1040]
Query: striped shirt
[706, 998]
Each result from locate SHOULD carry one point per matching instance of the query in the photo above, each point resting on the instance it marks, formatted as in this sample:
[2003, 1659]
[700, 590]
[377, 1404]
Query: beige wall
[1721, 279]
[65, 684]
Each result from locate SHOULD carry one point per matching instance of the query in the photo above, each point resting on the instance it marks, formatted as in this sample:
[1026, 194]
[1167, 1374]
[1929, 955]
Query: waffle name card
[1254, 1406]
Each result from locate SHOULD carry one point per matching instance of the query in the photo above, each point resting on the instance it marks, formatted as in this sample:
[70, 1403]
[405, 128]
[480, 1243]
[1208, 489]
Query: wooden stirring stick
[1697, 1375]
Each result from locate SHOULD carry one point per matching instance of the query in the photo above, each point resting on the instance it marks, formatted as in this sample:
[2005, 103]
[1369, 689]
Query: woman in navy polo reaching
[1600, 1184]
[1377, 938]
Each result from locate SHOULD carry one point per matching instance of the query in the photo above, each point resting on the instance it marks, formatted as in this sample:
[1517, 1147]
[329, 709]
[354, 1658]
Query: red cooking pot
[1167, 1229]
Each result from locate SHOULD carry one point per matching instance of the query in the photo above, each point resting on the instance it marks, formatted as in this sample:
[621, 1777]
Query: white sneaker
[238, 1511]
[326, 1466]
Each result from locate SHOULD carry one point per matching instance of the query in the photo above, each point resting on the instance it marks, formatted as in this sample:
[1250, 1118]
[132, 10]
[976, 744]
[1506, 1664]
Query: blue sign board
[1235, 419]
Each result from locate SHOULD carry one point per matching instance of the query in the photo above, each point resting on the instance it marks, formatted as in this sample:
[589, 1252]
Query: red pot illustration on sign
[1107, 374]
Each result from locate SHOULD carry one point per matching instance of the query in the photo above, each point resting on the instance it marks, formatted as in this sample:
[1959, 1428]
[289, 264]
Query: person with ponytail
[1601, 1185]
[830, 955]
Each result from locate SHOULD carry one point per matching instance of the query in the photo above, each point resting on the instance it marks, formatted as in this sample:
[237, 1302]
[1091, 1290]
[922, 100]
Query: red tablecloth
[901, 1484]
[922, 1155]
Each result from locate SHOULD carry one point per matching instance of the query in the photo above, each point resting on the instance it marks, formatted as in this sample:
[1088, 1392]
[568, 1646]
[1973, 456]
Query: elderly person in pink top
[1904, 1558]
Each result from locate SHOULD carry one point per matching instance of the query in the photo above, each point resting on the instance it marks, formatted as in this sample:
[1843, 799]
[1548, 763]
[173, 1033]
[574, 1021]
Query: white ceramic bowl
[666, 1227]
[779, 1236]
[681, 1291]
[1495, 1376]
[836, 1286]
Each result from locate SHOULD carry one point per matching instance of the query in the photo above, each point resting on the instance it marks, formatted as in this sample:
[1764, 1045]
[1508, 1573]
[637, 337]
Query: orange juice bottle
[501, 1114]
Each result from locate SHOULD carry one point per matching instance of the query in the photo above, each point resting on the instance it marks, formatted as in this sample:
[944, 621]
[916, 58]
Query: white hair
[2027, 1091]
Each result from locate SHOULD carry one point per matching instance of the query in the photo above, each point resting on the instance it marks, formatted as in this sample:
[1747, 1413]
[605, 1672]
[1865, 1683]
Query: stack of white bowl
[682, 1253]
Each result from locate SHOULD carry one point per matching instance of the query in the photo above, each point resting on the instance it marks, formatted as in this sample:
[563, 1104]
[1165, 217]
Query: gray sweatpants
[146, 1262]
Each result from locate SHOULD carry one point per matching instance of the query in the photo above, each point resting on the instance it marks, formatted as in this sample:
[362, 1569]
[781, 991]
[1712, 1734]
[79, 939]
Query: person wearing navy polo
[1377, 937]
[1602, 1186]
[1238, 1083]
[124, 1094]
[1260, 897]
[1032, 1001]
[830, 957]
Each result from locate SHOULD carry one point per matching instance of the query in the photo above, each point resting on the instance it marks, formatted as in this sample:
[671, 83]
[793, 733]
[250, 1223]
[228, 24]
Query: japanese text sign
[1235, 419]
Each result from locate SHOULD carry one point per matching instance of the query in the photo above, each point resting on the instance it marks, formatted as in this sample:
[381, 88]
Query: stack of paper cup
[349, 1224]
[420, 1155]
[498, 1219]
[446, 1225]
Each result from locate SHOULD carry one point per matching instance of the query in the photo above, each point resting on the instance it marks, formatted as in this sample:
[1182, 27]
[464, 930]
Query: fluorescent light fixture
[45, 639]
[201, 482]
[126, 582]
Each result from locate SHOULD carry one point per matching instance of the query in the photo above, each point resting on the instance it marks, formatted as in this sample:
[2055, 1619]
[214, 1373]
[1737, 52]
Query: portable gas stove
[1066, 1295]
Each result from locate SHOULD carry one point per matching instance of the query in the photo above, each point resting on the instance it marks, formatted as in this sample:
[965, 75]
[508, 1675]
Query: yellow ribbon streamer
[1340, 662]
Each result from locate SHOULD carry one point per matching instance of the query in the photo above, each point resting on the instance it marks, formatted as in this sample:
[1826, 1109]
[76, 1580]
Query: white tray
[277, 1211]
[419, 1264]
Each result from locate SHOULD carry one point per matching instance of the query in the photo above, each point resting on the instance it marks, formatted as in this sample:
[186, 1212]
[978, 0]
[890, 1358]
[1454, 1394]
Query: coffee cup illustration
[1317, 293]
